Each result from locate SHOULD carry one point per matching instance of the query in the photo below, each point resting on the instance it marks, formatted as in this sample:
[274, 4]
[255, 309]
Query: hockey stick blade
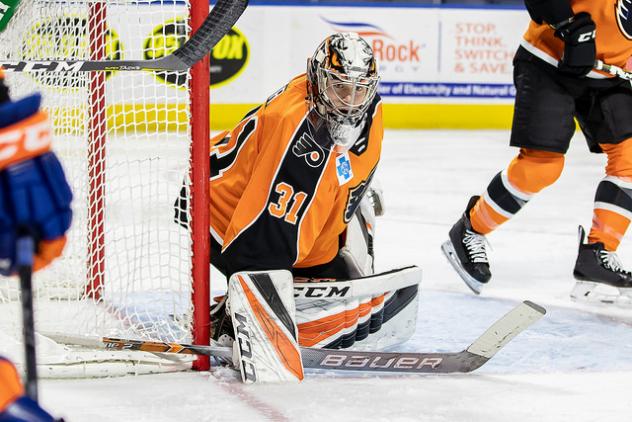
[219, 21]
[468, 360]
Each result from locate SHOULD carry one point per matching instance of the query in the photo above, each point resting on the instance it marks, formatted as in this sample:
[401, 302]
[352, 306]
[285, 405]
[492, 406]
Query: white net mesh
[123, 138]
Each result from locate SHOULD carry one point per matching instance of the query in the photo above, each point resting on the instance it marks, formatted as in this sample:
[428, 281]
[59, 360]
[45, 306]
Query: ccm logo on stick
[42, 66]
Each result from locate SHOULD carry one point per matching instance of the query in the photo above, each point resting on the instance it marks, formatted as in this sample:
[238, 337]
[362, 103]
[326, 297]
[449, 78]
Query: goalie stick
[468, 360]
[217, 24]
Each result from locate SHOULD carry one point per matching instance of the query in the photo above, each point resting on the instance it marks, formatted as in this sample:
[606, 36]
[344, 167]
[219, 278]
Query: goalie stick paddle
[217, 24]
[468, 360]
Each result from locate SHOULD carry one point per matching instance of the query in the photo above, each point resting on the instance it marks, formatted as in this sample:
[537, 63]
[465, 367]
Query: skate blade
[449, 252]
[599, 293]
[224, 341]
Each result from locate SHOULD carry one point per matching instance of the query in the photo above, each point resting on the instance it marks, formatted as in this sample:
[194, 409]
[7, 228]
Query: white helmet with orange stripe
[342, 82]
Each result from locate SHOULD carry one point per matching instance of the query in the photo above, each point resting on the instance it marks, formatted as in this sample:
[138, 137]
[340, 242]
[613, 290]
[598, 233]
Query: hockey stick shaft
[24, 261]
[476, 355]
[613, 70]
[219, 21]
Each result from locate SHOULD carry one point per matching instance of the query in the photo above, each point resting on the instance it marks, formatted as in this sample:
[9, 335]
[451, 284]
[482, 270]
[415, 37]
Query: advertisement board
[453, 66]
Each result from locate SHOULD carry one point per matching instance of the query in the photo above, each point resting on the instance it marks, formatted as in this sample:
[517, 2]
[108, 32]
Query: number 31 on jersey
[289, 203]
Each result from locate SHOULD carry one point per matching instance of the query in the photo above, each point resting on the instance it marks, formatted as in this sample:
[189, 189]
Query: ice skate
[466, 251]
[600, 276]
[222, 332]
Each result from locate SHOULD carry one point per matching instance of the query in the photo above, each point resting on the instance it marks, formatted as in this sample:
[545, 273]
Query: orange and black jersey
[613, 20]
[276, 198]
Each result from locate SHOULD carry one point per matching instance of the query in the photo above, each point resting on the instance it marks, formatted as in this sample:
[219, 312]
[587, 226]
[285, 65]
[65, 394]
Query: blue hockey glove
[34, 194]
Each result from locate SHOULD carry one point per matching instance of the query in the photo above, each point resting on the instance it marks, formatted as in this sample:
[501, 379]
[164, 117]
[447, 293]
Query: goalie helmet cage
[127, 140]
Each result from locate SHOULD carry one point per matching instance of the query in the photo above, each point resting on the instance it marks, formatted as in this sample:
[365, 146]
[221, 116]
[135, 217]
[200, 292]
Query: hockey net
[125, 141]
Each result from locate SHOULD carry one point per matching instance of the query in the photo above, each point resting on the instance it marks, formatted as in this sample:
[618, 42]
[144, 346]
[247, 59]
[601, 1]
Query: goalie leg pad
[399, 320]
[361, 323]
[333, 324]
[261, 306]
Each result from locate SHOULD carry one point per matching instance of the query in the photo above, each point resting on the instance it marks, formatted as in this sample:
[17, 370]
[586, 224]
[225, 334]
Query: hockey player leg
[466, 251]
[599, 272]
[262, 310]
[508, 192]
[600, 276]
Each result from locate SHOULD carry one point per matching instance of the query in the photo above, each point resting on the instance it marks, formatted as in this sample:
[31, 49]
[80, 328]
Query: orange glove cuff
[25, 139]
[11, 387]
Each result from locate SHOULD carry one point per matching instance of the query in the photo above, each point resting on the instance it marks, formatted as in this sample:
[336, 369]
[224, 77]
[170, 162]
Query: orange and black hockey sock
[510, 190]
[613, 199]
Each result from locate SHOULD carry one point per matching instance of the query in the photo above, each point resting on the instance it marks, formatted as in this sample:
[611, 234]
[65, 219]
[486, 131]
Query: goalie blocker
[262, 309]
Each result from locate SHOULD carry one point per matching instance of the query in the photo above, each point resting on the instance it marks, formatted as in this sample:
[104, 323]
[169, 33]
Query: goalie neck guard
[342, 82]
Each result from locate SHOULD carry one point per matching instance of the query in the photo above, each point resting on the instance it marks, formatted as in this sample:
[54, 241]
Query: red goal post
[200, 200]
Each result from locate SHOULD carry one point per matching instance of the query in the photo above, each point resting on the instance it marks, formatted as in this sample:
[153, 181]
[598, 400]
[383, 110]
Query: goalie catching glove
[34, 194]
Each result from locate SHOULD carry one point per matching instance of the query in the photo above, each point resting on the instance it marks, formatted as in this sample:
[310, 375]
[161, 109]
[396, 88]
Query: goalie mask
[342, 82]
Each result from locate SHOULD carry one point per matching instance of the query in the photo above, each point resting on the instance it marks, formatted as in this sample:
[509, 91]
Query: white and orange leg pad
[364, 323]
[261, 306]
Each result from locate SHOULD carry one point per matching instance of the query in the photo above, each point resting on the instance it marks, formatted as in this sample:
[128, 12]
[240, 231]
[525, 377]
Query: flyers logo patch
[308, 148]
[623, 10]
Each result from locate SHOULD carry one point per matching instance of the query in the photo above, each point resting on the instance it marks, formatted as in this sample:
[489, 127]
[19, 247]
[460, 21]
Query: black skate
[466, 251]
[222, 331]
[600, 276]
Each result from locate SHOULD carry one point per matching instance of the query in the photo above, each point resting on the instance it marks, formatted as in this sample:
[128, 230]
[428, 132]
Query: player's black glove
[578, 35]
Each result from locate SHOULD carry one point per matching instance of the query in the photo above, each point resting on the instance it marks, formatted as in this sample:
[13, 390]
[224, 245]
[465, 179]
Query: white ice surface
[573, 365]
